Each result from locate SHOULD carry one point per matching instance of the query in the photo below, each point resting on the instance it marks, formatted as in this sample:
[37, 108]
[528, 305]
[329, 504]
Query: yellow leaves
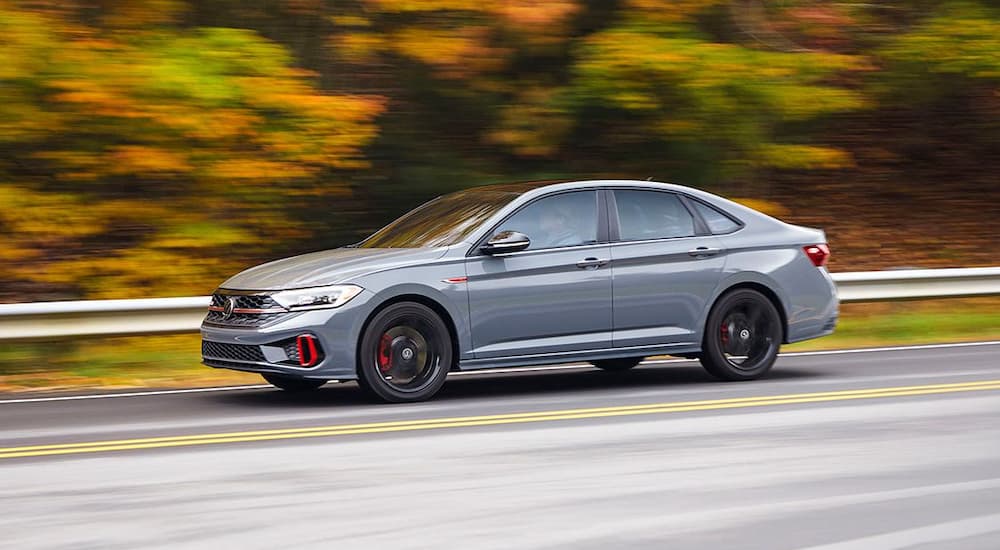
[802, 156]
[135, 159]
[170, 151]
[25, 42]
[532, 125]
[215, 126]
[29, 215]
[359, 47]
[770, 208]
[238, 170]
[455, 53]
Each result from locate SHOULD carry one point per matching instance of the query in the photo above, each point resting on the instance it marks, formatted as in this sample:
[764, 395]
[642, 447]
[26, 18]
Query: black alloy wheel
[291, 383]
[742, 336]
[405, 354]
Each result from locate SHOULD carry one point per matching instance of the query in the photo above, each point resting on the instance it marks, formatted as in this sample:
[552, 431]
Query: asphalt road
[882, 450]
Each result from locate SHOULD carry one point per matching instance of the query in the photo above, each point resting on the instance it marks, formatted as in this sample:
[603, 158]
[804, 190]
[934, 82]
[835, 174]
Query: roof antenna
[650, 178]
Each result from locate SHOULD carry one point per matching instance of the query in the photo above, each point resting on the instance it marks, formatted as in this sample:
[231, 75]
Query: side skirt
[577, 356]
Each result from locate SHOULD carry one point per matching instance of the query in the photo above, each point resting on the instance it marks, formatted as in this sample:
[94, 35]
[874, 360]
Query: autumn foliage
[152, 148]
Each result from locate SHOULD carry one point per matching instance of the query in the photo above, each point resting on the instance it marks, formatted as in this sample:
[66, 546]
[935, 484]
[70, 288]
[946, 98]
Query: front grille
[234, 352]
[244, 320]
[246, 301]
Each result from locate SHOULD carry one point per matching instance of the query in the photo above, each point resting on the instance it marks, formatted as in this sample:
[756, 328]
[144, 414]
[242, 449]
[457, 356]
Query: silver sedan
[511, 275]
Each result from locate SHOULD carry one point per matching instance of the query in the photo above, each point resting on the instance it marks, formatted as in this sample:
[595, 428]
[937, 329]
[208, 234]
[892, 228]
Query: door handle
[588, 263]
[704, 252]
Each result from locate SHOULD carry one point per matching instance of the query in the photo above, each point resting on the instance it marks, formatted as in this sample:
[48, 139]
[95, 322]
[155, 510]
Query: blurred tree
[137, 158]
[153, 147]
[940, 84]
[649, 89]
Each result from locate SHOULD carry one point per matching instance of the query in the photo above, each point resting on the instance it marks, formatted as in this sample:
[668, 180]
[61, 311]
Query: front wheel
[292, 384]
[405, 354]
[742, 336]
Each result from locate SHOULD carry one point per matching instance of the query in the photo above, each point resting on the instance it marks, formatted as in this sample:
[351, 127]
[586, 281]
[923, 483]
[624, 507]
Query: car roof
[540, 187]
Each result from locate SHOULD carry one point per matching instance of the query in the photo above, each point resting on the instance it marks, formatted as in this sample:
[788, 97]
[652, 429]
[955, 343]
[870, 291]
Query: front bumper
[271, 349]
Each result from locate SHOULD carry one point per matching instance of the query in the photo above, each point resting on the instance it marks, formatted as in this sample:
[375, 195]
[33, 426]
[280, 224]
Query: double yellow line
[488, 420]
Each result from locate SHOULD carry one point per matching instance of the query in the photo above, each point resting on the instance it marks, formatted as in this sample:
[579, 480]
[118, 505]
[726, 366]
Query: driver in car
[559, 229]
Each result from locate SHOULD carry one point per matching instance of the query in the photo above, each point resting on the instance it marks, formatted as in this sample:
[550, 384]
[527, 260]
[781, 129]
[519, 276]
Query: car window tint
[718, 223]
[566, 219]
[646, 215]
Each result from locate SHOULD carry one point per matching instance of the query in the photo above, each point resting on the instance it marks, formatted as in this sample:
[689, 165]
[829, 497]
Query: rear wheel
[742, 336]
[405, 354]
[617, 365]
[291, 383]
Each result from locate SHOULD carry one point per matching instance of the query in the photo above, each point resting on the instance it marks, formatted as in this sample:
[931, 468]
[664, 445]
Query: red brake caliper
[385, 353]
[724, 331]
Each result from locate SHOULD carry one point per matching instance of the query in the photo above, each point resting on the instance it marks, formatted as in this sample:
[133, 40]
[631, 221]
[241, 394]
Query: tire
[292, 384]
[742, 336]
[405, 354]
[617, 365]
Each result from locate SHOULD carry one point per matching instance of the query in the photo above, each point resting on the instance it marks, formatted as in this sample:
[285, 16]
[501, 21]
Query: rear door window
[645, 215]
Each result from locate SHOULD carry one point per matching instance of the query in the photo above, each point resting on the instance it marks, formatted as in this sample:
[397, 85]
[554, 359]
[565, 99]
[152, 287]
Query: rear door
[665, 268]
[555, 296]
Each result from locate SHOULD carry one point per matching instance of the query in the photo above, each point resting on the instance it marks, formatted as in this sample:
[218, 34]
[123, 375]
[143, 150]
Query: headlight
[321, 297]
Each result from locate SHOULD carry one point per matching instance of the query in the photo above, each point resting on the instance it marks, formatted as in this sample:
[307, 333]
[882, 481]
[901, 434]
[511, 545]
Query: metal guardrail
[916, 284]
[88, 318]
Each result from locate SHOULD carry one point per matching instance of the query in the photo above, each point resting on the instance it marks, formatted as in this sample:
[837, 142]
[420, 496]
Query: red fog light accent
[306, 344]
[819, 254]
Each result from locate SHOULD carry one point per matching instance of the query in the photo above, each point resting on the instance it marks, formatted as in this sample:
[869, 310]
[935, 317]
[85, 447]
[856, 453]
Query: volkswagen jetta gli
[607, 272]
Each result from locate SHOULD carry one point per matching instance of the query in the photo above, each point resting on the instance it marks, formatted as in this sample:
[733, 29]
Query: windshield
[443, 221]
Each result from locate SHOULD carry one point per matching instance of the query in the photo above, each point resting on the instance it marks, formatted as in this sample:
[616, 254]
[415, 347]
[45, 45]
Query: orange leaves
[536, 21]
[458, 53]
[537, 14]
[137, 159]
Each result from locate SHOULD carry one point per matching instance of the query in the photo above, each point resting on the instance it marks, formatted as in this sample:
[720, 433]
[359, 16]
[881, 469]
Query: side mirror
[504, 242]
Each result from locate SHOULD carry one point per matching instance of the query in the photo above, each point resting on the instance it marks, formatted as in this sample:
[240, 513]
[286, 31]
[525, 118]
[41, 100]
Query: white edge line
[489, 371]
[134, 394]
[892, 348]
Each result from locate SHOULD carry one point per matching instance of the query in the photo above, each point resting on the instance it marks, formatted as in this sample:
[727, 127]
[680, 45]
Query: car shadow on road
[522, 384]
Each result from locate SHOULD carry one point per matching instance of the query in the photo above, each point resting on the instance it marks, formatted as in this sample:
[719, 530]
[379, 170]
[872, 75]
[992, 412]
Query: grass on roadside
[174, 361]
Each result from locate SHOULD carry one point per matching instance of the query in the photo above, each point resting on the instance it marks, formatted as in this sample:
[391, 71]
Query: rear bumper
[266, 350]
[816, 313]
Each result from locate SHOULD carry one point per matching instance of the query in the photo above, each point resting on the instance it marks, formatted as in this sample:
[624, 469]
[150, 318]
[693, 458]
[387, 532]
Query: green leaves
[678, 88]
[959, 41]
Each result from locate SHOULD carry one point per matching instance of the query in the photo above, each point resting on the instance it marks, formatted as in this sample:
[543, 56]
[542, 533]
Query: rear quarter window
[718, 222]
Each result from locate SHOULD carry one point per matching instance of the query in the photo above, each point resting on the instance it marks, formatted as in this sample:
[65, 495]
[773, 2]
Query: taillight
[818, 254]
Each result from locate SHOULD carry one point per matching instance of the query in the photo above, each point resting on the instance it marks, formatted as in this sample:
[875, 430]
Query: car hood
[327, 267]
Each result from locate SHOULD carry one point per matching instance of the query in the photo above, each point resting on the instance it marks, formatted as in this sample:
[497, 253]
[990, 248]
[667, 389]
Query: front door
[555, 296]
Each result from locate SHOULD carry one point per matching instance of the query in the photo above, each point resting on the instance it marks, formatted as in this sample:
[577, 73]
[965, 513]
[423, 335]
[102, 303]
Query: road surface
[877, 449]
